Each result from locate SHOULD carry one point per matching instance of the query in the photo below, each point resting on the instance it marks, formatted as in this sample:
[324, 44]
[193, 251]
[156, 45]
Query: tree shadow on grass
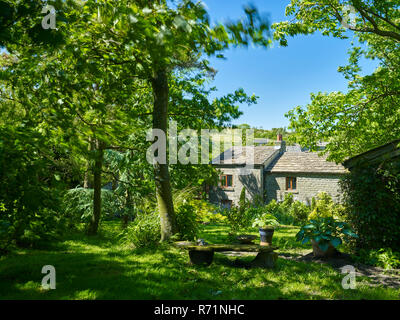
[165, 273]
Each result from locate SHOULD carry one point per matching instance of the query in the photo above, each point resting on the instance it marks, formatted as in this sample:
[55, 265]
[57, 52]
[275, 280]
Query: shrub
[255, 212]
[372, 199]
[258, 200]
[288, 212]
[384, 258]
[207, 212]
[280, 212]
[324, 207]
[145, 230]
[388, 259]
[29, 190]
[78, 205]
[313, 203]
[242, 199]
[299, 211]
[187, 222]
[272, 207]
[238, 220]
[4, 231]
[26, 228]
[288, 201]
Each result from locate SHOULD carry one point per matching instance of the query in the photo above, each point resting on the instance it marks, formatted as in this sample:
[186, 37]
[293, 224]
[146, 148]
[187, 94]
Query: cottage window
[226, 181]
[291, 183]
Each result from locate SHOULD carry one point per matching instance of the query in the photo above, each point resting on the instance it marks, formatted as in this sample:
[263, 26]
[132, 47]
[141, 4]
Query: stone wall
[253, 183]
[308, 186]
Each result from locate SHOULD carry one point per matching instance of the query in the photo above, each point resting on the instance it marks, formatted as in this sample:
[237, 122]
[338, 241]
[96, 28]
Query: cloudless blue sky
[283, 77]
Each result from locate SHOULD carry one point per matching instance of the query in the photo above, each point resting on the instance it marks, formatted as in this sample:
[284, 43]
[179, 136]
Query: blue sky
[283, 77]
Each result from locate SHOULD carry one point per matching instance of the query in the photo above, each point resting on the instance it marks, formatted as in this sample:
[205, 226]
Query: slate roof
[243, 155]
[304, 162]
[261, 140]
[295, 148]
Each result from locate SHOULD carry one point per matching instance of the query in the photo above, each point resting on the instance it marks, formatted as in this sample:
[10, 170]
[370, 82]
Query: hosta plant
[325, 232]
[266, 221]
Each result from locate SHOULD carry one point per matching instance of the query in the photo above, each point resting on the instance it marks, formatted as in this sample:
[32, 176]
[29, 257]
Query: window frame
[225, 178]
[290, 181]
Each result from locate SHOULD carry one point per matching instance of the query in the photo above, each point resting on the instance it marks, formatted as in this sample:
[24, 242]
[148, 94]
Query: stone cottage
[304, 174]
[277, 170]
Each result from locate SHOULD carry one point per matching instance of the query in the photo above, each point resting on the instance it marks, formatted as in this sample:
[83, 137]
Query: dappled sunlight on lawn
[94, 269]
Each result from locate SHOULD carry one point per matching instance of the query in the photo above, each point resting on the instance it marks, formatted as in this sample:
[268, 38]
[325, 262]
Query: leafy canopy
[367, 115]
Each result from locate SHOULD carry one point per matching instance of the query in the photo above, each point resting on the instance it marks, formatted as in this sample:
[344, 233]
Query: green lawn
[103, 268]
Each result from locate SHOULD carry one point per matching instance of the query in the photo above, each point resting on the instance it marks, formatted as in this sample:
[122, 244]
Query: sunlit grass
[104, 268]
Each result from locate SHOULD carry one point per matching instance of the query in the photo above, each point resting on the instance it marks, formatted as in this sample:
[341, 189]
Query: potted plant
[266, 224]
[325, 235]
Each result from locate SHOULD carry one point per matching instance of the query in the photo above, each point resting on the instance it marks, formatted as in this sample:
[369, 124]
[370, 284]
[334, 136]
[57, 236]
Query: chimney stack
[281, 143]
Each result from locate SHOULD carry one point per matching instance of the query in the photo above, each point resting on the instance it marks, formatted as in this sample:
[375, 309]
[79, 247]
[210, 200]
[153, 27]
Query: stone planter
[266, 235]
[318, 253]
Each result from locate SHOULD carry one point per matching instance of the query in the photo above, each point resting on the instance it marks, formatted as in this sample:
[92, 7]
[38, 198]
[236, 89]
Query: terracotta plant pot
[266, 235]
[318, 253]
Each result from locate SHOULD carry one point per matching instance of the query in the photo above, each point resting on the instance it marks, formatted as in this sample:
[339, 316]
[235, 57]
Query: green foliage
[367, 114]
[238, 219]
[207, 212]
[258, 200]
[325, 232]
[272, 134]
[323, 207]
[105, 44]
[385, 258]
[266, 221]
[78, 205]
[372, 198]
[29, 189]
[287, 201]
[165, 273]
[20, 22]
[277, 210]
[313, 203]
[242, 200]
[144, 231]
[187, 222]
[288, 212]
[272, 207]
[299, 211]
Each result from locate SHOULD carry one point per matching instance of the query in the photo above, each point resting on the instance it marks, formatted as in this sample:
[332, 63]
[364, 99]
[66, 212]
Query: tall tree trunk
[86, 179]
[86, 182]
[98, 166]
[161, 173]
